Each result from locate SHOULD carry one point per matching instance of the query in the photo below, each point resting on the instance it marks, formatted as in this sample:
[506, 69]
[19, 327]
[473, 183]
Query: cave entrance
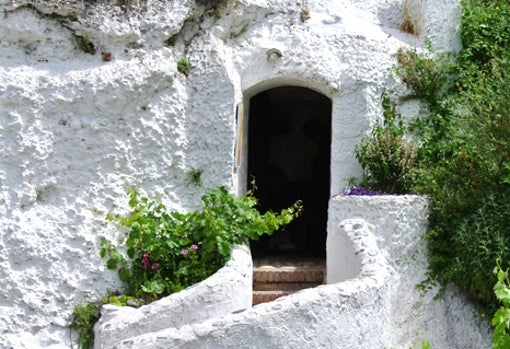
[289, 147]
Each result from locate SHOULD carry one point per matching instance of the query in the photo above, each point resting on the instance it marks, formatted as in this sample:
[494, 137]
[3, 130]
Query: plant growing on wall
[501, 318]
[164, 252]
[195, 177]
[411, 19]
[464, 154]
[183, 66]
[387, 158]
[426, 77]
[213, 4]
[85, 316]
[85, 44]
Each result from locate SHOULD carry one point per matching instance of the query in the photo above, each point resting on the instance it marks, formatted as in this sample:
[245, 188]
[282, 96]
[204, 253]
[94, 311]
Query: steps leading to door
[274, 277]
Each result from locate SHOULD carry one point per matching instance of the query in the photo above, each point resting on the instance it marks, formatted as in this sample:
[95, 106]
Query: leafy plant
[501, 318]
[426, 77]
[485, 31]
[165, 252]
[85, 44]
[464, 154]
[183, 66]
[387, 158]
[195, 177]
[479, 239]
[85, 316]
[122, 300]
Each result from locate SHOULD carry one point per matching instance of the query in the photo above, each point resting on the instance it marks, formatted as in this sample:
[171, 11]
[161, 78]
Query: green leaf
[154, 286]
[124, 275]
[502, 292]
[112, 263]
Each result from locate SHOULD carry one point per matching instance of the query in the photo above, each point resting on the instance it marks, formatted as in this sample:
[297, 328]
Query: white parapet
[228, 290]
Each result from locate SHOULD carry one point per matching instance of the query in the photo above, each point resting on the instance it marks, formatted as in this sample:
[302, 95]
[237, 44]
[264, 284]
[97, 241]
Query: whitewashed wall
[75, 130]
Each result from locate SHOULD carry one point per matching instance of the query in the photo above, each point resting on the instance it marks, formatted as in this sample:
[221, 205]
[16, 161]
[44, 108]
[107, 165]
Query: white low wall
[400, 222]
[375, 260]
[350, 314]
[228, 290]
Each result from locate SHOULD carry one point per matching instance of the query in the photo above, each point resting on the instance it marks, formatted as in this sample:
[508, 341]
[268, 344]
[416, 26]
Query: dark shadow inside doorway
[289, 146]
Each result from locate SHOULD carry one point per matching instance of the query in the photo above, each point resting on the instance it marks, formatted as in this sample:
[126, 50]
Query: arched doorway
[289, 147]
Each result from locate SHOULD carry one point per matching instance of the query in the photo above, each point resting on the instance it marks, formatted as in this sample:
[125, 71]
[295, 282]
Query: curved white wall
[229, 290]
[376, 305]
[350, 314]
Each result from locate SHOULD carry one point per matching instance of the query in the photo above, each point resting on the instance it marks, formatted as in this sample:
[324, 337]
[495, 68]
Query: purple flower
[184, 252]
[361, 192]
[154, 266]
[194, 247]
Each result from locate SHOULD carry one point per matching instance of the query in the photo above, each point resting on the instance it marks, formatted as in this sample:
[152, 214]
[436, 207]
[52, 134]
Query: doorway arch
[289, 148]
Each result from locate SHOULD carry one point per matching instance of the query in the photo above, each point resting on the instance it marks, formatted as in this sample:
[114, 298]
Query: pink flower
[145, 262]
[145, 259]
[184, 252]
[154, 266]
[194, 247]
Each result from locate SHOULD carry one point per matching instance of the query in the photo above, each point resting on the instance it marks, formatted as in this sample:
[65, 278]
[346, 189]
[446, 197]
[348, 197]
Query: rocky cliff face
[91, 102]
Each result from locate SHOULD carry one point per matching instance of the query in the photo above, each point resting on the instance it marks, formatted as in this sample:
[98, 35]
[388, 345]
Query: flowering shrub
[164, 252]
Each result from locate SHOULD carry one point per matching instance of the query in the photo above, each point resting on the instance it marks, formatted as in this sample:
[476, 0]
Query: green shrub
[485, 31]
[85, 316]
[478, 240]
[501, 319]
[164, 252]
[387, 158]
[464, 157]
[426, 77]
[465, 164]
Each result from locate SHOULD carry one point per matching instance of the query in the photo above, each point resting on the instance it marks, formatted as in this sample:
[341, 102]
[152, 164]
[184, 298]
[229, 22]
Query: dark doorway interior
[289, 157]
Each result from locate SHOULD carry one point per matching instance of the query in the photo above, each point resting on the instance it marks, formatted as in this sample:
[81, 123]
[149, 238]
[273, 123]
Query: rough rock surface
[91, 101]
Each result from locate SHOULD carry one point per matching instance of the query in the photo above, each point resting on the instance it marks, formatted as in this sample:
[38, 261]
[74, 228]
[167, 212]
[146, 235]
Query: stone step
[267, 296]
[277, 277]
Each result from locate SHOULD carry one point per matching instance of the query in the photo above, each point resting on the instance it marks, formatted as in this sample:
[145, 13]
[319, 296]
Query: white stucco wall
[75, 130]
[400, 222]
[374, 305]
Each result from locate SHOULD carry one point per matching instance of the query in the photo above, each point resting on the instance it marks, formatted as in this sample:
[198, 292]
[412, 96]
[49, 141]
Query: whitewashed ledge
[226, 291]
[375, 260]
